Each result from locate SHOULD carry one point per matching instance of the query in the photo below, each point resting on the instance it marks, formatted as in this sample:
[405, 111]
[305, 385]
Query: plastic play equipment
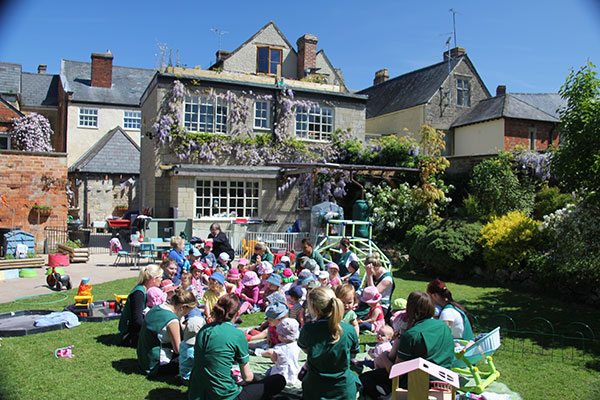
[97, 311]
[472, 353]
[419, 385]
[57, 279]
[361, 246]
[20, 323]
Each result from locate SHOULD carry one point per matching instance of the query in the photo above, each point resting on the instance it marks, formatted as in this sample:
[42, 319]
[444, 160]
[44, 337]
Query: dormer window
[268, 59]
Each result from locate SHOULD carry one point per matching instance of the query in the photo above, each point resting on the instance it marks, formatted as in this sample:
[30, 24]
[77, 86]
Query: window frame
[250, 190]
[6, 135]
[311, 136]
[89, 116]
[213, 112]
[266, 118]
[462, 90]
[269, 59]
[132, 118]
[532, 138]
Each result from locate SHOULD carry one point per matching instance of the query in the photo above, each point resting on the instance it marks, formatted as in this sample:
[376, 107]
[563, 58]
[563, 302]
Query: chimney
[222, 55]
[307, 54]
[501, 90]
[381, 76]
[42, 68]
[455, 52]
[102, 69]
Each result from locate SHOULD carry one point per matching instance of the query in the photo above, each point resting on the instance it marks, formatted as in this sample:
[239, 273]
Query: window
[227, 198]
[463, 92]
[4, 140]
[268, 60]
[88, 118]
[202, 115]
[261, 115]
[132, 120]
[532, 138]
[314, 124]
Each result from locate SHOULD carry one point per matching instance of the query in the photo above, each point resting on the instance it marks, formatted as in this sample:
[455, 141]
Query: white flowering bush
[32, 133]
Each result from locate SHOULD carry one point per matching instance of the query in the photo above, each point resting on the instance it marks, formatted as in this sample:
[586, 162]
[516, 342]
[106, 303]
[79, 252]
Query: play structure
[97, 311]
[362, 246]
[21, 323]
[468, 356]
[56, 278]
[419, 385]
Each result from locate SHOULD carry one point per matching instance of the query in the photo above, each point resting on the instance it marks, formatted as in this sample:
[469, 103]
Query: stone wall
[27, 178]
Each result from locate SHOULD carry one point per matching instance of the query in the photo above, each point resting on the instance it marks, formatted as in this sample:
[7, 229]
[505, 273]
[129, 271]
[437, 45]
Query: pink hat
[233, 274]
[208, 242]
[287, 272]
[155, 296]
[265, 267]
[167, 285]
[370, 295]
[243, 261]
[333, 266]
[250, 279]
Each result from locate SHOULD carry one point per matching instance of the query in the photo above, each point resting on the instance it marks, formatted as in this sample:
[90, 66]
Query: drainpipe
[85, 200]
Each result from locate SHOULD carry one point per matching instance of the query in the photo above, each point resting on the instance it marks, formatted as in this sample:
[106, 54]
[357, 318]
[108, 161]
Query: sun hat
[310, 265]
[279, 266]
[304, 277]
[287, 273]
[167, 285]
[285, 259]
[274, 279]
[193, 326]
[288, 329]
[333, 266]
[312, 284]
[225, 257]
[243, 261]
[370, 295]
[295, 292]
[265, 267]
[250, 279]
[219, 277]
[155, 296]
[323, 275]
[208, 242]
[399, 304]
[276, 297]
[195, 252]
[233, 274]
[277, 310]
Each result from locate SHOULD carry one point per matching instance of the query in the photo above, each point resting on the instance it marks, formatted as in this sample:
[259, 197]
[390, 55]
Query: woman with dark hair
[346, 257]
[453, 314]
[218, 346]
[427, 338]
[220, 242]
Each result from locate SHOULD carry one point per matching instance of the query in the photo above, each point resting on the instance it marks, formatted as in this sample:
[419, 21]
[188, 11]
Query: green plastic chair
[469, 356]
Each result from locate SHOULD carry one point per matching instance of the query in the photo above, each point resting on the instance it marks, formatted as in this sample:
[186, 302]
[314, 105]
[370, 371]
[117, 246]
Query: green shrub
[74, 244]
[412, 235]
[509, 240]
[448, 247]
[548, 200]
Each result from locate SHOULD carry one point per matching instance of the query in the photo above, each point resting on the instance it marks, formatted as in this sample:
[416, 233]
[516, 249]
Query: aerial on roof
[39, 90]
[531, 106]
[128, 84]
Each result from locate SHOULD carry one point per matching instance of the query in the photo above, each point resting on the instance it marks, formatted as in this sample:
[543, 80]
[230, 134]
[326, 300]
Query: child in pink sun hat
[233, 283]
[375, 319]
[154, 297]
[250, 292]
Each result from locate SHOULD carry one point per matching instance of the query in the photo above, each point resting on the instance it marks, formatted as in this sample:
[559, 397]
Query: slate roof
[114, 153]
[531, 106]
[128, 84]
[10, 78]
[39, 90]
[408, 90]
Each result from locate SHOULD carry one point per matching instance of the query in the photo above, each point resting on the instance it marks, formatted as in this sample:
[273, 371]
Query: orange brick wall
[27, 178]
[516, 132]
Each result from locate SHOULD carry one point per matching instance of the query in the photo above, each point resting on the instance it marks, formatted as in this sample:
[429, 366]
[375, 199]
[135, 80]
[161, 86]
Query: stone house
[98, 100]
[242, 97]
[436, 95]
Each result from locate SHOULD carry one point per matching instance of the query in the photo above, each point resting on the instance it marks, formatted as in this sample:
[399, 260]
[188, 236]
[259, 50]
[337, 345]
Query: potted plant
[121, 209]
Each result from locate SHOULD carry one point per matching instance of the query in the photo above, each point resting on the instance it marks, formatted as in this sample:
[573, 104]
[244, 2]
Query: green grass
[100, 370]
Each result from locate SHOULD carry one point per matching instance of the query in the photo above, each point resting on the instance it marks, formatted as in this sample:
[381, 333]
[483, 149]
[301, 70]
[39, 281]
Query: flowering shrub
[509, 240]
[32, 133]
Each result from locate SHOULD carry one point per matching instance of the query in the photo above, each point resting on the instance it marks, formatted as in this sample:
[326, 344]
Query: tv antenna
[454, 12]
[219, 32]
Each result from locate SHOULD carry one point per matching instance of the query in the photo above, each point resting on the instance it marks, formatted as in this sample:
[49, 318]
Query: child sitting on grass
[294, 296]
[347, 295]
[250, 293]
[233, 284]
[207, 256]
[384, 345]
[375, 319]
[273, 286]
[285, 354]
[214, 292]
[334, 275]
[186, 282]
[353, 277]
[154, 297]
[186, 348]
[275, 313]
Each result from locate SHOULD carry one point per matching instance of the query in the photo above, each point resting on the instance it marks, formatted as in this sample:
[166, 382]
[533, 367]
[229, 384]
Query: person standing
[220, 242]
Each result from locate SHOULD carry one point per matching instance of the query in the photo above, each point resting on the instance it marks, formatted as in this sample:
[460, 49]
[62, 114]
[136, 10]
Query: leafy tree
[576, 163]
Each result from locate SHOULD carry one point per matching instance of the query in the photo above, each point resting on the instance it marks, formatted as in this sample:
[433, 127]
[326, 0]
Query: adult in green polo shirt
[220, 345]
[132, 315]
[308, 251]
[428, 338]
[456, 316]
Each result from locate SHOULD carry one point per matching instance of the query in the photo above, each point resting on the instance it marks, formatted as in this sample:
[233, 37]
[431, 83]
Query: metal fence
[276, 241]
[55, 235]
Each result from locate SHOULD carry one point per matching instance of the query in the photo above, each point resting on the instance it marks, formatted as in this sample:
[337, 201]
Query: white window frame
[131, 117]
[463, 92]
[7, 136]
[316, 124]
[242, 196]
[262, 121]
[532, 138]
[86, 118]
[209, 117]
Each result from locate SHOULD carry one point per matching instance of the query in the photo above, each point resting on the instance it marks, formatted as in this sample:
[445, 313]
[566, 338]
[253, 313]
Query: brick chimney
[455, 52]
[222, 55]
[42, 68]
[307, 54]
[501, 90]
[381, 76]
[102, 69]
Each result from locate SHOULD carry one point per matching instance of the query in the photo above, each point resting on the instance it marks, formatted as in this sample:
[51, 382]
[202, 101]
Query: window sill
[87, 127]
[313, 140]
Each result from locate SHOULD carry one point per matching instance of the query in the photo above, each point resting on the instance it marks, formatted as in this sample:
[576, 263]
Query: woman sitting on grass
[132, 315]
[453, 314]
[160, 336]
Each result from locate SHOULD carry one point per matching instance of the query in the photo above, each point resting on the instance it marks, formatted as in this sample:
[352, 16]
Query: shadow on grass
[166, 393]
[127, 366]
[107, 340]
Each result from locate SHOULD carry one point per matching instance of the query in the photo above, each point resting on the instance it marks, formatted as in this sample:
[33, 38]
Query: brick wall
[102, 70]
[27, 178]
[6, 116]
[516, 132]
[307, 53]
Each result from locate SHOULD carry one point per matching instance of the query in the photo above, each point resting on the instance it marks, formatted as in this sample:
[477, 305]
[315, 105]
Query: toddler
[207, 256]
[375, 318]
[400, 319]
[168, 287]
[288, 278]
[197, 282]
[186, 282]
[347, 295]
[250, 293]
[384, 345]
[214, 292]
[154, 297]
[186, 348]
[243, 265]
[223, 261]
[286, 260]
[265, 269]
[324, 278]
[273, 284]
[309, 287]
[233, 284]
[353, 277]
[334, 274]
[285, 354]
[295, 300]
[275, 313]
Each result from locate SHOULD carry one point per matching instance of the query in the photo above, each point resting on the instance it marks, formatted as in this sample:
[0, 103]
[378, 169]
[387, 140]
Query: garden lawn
[100, 370]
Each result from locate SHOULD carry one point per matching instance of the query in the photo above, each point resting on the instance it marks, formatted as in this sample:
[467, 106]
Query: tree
[576, 163]
[32, 133]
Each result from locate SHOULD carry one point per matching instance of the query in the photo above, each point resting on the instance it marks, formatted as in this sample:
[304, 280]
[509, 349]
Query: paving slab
[99, 269]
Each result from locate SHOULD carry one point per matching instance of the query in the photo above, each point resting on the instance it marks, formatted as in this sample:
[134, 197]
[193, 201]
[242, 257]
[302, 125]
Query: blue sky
[528, 45]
